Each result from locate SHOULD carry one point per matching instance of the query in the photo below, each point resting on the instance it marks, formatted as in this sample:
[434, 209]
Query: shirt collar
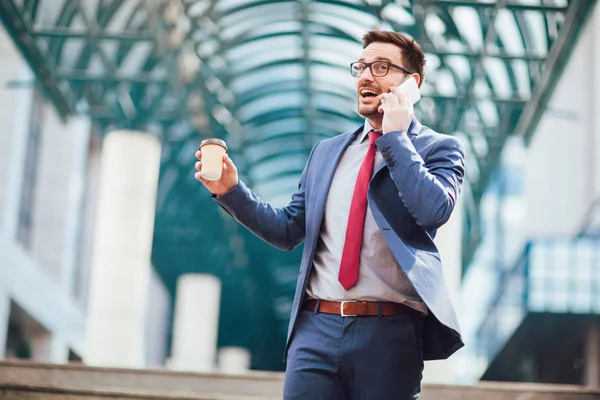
[368, 128]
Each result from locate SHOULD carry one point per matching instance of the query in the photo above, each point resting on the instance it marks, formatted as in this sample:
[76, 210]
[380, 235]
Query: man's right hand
[229, 177]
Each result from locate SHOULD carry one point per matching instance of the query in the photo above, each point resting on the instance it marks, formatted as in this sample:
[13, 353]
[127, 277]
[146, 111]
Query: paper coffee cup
[212, 158]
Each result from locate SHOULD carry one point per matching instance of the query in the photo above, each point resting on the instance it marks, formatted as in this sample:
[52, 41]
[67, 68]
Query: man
[370, 302]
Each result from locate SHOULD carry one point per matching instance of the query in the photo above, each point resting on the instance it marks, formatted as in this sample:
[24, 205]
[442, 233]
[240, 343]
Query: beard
[368, 110]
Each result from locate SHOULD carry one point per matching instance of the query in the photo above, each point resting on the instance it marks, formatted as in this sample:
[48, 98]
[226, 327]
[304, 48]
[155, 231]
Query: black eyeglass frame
[368, 65]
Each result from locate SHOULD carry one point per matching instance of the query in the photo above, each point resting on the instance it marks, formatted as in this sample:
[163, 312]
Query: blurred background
[112, 254]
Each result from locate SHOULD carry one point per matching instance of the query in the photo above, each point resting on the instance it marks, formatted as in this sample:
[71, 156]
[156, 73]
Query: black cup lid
[214, 141]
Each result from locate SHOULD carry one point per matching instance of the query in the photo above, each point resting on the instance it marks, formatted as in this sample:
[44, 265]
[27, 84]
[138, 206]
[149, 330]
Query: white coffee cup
[213, 151]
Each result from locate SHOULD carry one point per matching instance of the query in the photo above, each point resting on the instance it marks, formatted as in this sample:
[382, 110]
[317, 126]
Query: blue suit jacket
[411, 195]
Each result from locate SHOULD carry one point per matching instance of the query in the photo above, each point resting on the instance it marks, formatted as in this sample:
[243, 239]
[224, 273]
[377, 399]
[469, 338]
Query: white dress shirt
[380, 277]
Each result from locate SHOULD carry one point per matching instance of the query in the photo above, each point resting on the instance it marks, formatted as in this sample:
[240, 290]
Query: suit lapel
[329, 162]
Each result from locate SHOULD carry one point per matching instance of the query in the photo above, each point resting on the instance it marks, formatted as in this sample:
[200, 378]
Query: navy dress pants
[354, 358]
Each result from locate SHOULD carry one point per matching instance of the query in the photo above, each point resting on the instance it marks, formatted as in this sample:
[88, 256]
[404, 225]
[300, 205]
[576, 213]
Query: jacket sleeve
[282, 227]
[428, 188]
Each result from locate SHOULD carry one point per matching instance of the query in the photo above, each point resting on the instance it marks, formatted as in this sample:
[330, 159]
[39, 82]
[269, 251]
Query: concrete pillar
[233, 360]
[121, 252]
[59, 351]
[158, 322]
[48, 348]
[75, 199]
[88, 223]
[13, 183]
[196, 323]
[592, 355]
[4, 318]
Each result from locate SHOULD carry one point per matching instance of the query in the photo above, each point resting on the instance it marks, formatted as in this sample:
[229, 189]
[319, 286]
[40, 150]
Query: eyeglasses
[377, 68]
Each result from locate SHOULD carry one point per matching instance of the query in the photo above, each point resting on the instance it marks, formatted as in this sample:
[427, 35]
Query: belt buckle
[342, 313]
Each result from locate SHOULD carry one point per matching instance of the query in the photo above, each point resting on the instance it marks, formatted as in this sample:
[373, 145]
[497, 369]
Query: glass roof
[271, 78]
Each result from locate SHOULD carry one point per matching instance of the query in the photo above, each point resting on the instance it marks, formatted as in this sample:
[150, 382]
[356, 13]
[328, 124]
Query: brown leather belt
[359, 308]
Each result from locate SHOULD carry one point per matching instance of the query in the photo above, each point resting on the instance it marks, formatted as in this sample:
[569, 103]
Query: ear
[417, 78]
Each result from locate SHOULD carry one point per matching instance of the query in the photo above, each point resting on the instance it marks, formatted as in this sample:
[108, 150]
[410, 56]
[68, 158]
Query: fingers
[396, 98]
[384, 99]
[399, 93]
[402, 97]
[388, 97]
[198, 165]
[199, 155]
[397, 110]
[229, 165]
[198, 176]
[389, 100]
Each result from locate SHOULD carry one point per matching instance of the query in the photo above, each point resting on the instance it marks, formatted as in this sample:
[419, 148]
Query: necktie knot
[373, 136]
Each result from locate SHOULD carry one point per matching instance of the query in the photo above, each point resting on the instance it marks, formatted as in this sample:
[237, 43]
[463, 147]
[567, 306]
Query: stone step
[21, 392]
[159, 382]
[31, 381]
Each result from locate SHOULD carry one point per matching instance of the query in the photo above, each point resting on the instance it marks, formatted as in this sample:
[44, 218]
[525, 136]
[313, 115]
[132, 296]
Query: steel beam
[83, 76]
[527, 56]
[509, 5]
[70, 33]
[43, 67]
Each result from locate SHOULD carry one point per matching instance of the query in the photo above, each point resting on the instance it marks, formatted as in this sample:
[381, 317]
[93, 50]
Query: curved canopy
[272, 78]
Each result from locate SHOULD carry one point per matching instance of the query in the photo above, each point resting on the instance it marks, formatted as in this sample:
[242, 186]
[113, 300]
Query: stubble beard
[368, 111]
[371, 113]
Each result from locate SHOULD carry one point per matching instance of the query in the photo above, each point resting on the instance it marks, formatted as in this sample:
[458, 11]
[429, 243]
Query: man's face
[369, 100]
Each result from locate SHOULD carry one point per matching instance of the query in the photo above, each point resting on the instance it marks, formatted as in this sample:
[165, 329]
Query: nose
[366, 76]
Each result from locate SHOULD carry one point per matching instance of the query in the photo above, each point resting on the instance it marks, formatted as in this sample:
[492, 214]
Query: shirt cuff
[231, 192]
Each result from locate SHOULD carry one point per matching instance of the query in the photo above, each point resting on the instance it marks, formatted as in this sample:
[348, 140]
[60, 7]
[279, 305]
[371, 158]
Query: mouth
[368, 94]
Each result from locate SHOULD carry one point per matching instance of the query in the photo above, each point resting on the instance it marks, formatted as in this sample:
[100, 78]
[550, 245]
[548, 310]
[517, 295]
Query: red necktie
[348, 275]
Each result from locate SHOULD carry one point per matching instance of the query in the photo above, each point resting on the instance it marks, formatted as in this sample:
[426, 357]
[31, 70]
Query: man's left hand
[397, 111]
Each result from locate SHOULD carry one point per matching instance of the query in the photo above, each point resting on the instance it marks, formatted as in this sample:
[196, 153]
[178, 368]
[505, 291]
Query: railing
[553, 276]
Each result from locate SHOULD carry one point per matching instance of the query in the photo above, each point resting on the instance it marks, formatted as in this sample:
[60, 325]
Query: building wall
[83, 256]
[35, 213]
[561, 167]
[59, 195]
[9, 68]
[544, 190]
[49, 190]
[595, 104]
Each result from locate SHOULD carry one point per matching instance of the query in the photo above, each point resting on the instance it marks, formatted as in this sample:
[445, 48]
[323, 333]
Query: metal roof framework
[271, 78]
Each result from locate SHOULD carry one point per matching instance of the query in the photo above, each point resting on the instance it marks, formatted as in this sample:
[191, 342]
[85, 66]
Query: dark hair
[412, 54]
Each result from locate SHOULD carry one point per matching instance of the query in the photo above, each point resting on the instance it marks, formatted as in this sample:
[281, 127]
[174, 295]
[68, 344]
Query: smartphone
[411, 89]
